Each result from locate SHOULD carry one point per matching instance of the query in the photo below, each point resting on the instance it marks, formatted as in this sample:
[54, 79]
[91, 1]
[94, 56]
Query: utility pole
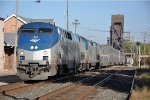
[15, 47]
[132, 47]
[76, 23]
[139, 57]
[138, 44]
[1, 44]
[67, 16]
[127, 37]
[144, 46]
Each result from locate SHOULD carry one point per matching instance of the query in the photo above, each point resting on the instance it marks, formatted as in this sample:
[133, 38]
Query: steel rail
[12, 86]
[132, 85]
[15, 91]
[89, 91]
[63, 89]
[85, 91]
[19, 87]
[9, 87]
[106, 79]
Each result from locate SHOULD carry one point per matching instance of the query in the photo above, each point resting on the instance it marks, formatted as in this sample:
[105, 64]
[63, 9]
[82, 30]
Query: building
[10, 35]
[10, 22]
[1, 44]
[9, 50]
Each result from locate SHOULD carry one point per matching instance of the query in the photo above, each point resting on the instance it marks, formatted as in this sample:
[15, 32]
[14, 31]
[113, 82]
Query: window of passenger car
[45, 30]
[84, 42]
[68, 35]
[28, 30]
[91, 43]
[94, 44]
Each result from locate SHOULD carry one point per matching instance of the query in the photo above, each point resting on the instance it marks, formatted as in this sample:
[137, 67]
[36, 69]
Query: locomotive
[47, 50]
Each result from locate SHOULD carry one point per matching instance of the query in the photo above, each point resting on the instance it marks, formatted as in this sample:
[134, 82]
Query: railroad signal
[138, 43]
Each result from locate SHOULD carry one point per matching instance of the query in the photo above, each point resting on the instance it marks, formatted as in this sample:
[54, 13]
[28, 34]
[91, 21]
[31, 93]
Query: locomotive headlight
[45, 52]
[32, 47]
[36, 47]
[22, 53]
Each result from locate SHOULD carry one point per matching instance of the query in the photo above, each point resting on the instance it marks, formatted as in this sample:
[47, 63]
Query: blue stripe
[42, 41]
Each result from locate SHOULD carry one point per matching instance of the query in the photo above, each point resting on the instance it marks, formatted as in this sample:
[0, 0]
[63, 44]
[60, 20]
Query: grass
[141, 94]
[142, 85]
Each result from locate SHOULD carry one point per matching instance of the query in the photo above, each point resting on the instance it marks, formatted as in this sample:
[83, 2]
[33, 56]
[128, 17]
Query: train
[45, 50]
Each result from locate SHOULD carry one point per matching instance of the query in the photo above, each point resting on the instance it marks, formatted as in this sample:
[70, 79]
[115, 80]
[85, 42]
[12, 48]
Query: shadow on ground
[143, 78]
[120, 82]
[10, 79]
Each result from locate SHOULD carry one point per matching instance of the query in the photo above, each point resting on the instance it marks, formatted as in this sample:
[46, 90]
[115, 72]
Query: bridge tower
[116, 32]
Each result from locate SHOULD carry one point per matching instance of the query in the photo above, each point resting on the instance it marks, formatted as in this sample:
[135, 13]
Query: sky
[94, 15]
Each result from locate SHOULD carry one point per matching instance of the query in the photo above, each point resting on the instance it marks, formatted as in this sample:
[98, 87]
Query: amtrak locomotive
[47, 50]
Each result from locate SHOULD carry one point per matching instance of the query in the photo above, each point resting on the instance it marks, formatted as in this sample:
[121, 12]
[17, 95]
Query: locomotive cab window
[45, 30]
[28, 30]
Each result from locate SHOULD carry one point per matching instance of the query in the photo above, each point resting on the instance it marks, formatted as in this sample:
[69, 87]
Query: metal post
[67, 17]
[139, 57]
[138, 44]
[144, 46]
[15, 47]
[1, 45]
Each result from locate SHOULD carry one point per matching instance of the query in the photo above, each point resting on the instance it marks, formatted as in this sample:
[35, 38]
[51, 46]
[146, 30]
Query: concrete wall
[1, 45]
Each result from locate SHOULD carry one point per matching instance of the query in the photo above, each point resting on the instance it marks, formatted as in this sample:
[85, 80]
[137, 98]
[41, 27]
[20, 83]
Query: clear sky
[92, 14]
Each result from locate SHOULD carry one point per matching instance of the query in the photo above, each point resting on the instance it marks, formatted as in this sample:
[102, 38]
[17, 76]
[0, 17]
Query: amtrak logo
[35, 39]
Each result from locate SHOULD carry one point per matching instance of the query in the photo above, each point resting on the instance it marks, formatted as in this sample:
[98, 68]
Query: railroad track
[79, 90]
[116, 88]
[131, 89]
[14, 89]
[19, 87]
[12, 86]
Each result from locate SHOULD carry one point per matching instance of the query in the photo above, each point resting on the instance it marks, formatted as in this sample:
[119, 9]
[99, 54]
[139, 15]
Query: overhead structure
[116, 31]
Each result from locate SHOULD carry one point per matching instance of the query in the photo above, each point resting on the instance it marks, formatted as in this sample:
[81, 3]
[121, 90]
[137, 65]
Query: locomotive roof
[37, 25]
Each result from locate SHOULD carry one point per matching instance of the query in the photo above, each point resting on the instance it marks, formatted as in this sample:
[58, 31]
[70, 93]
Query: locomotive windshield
[45, 30]
[28, 30]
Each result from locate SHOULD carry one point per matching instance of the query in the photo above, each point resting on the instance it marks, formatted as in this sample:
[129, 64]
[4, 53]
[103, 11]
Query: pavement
[8, 76]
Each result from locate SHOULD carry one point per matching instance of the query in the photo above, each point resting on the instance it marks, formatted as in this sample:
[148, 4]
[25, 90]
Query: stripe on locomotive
[37, 41]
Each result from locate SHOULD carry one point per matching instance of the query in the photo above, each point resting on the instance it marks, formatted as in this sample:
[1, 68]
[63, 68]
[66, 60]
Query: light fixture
[45, 53]
[22, 53]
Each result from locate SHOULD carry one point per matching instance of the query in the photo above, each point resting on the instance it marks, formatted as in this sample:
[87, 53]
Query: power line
[92, 29]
